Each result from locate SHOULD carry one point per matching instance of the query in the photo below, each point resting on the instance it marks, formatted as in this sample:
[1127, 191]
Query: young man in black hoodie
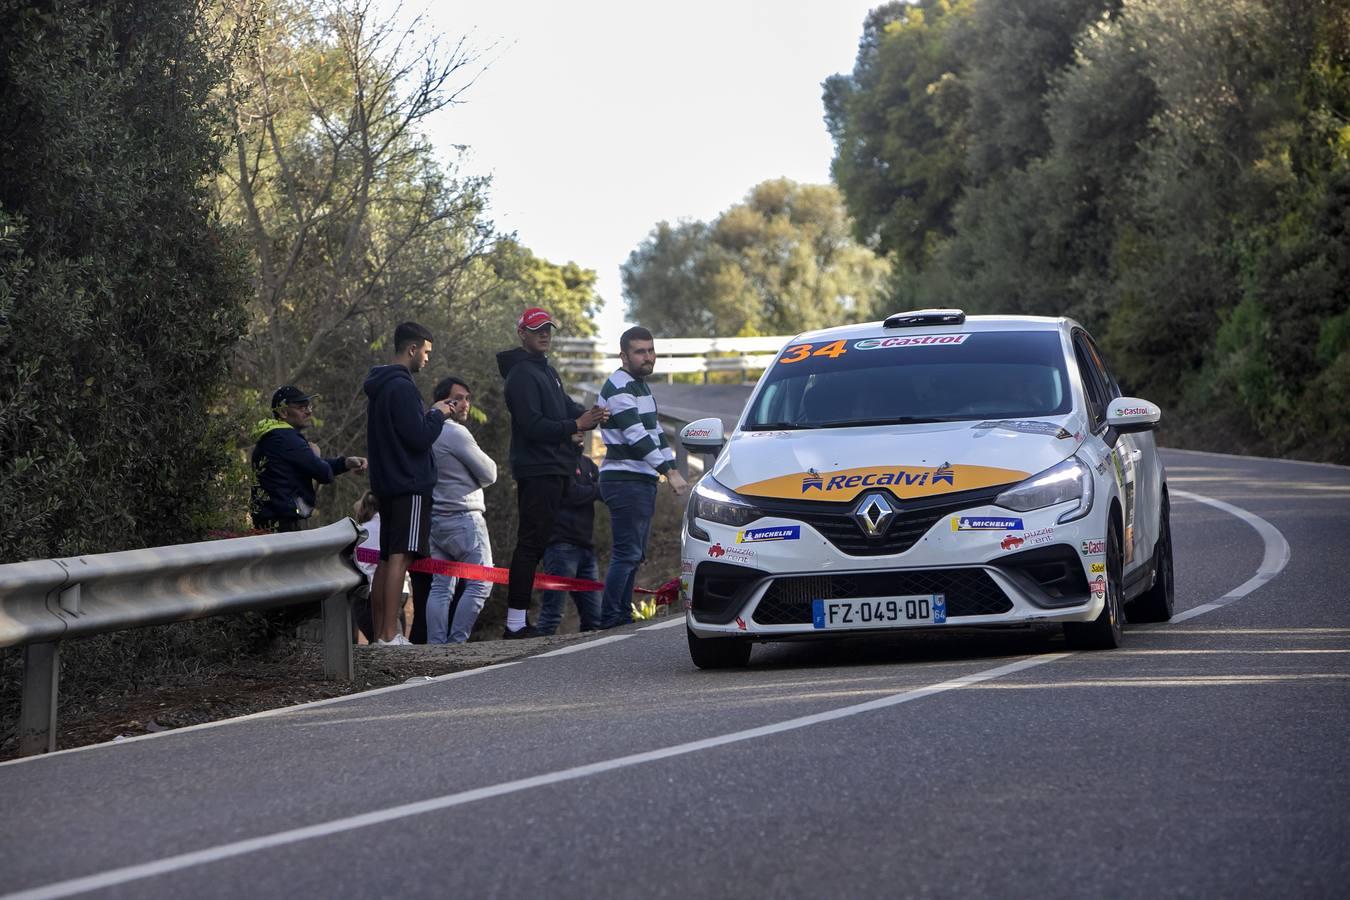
[399, 435]
[543, 420]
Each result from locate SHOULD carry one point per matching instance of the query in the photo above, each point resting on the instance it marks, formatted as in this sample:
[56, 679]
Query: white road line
[1272, 563]
[576, 648]
[1292, 462]
[677, 620]
[1276, 557]
[182, 861]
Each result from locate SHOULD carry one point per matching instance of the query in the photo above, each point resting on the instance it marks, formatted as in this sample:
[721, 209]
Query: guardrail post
[337, 637]
[41, 682]
[681, 456]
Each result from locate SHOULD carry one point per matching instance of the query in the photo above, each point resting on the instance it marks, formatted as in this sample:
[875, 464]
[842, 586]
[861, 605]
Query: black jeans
[280, 526]
[421, 587]
[537, 502]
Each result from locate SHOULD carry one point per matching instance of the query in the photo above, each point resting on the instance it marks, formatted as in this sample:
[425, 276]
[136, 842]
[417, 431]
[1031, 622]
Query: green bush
[120, 293]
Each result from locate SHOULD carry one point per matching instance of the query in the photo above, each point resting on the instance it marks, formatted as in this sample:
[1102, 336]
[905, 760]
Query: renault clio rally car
[930, 471]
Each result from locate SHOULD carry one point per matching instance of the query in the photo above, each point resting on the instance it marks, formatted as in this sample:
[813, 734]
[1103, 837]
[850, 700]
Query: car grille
[969, 592]
[911, 521]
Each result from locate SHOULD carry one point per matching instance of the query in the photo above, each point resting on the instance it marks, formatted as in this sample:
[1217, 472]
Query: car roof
[972, 324]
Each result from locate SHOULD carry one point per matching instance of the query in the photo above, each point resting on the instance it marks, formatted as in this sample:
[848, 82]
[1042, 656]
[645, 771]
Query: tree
[1178, 183]
[347, 211]
[680, 282]
[1016, 49]
[120, 292]
[1038, 233]
[782, 261]
[352, 221]
[896, 124]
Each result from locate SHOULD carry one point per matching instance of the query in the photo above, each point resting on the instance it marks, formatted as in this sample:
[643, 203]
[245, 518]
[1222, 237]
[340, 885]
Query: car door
[1119, 449]
[1134, 461]
[1148, 476]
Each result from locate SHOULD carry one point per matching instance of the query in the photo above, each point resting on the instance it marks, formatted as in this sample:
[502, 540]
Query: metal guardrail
[44, 601]
[588, 357]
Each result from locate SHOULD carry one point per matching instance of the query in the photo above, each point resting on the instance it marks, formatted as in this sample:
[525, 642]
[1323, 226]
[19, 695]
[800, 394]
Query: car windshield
[914, 378]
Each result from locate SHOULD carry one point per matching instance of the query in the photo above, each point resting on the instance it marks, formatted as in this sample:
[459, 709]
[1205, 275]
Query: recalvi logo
[901, 481]
[879, 478]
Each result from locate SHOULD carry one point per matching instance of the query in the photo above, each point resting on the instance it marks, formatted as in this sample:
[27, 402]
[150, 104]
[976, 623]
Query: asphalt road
[1208, 758]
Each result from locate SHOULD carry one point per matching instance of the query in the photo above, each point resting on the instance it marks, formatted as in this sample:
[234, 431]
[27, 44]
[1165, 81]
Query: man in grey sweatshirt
[458, 531]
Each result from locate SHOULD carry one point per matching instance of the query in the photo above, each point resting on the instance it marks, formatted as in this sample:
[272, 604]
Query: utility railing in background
[44, 601]
[588, 358]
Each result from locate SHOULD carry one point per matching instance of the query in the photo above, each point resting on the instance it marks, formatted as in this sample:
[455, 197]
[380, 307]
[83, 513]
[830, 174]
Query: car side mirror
[703, 436]
[1130, 415]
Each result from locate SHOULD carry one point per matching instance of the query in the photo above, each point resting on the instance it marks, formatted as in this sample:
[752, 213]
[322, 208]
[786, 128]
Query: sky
[599, 119]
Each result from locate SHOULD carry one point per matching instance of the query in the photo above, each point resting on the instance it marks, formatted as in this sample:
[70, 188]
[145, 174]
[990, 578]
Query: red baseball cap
[535, 318]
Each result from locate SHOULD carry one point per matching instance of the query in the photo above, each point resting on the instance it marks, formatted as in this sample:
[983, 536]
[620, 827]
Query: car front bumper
[737, 584]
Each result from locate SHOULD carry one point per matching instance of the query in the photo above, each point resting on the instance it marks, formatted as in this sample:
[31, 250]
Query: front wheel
[1103, 632]
[1155, 604]
[718, 653]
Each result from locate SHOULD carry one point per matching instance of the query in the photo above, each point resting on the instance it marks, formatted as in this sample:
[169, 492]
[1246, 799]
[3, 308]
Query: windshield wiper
[777, 426]
[891, 420]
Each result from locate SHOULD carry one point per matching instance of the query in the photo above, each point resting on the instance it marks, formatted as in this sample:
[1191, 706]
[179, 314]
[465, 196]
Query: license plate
[880, 612]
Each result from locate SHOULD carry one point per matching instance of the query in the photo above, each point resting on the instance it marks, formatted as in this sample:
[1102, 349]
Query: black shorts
[405, 525]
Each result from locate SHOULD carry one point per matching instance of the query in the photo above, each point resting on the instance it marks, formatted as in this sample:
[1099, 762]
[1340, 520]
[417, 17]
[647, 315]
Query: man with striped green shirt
[636, 456]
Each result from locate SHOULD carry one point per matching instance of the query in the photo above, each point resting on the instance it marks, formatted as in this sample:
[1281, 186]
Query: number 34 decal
[798, 352]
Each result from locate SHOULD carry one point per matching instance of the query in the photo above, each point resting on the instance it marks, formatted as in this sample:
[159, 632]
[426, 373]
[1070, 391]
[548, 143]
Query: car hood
[838, 464]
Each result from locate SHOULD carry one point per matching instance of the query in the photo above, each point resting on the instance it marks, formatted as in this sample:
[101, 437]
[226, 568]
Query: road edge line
[1276, 556]
[585, 645]
[1274, 459]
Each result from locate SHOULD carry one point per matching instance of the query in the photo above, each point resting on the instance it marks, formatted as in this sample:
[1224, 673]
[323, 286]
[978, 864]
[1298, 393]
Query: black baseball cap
[289, 393]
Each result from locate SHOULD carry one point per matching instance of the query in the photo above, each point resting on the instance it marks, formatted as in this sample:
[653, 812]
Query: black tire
[1103, 632]
[718, 653]
[1155, 604]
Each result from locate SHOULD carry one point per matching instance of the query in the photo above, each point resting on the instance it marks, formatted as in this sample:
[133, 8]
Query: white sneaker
[401, 641]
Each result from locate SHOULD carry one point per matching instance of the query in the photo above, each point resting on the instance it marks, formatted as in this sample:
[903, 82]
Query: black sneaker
[529, 631]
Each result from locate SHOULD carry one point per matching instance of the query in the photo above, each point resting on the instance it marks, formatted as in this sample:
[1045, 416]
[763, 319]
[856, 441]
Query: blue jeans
[569, 561]
[631, 507]
[461, 537]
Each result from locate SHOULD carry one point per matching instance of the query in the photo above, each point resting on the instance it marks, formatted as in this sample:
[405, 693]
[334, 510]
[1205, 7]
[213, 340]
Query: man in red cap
[543, 420]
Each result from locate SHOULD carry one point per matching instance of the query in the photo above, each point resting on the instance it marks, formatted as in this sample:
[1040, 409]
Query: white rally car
[930, 471]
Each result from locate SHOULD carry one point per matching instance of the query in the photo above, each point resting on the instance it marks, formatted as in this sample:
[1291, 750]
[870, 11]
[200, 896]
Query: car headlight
[1070, 480]
[715, 503]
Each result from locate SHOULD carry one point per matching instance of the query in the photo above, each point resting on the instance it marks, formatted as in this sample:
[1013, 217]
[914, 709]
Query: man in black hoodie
[399, 435]
[543, 420]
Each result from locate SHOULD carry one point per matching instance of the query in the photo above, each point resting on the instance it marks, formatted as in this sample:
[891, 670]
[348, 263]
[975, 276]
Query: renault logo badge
[873, 513]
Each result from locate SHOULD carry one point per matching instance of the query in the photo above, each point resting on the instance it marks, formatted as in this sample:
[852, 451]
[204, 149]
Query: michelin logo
[985, 523]
[759, 535]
